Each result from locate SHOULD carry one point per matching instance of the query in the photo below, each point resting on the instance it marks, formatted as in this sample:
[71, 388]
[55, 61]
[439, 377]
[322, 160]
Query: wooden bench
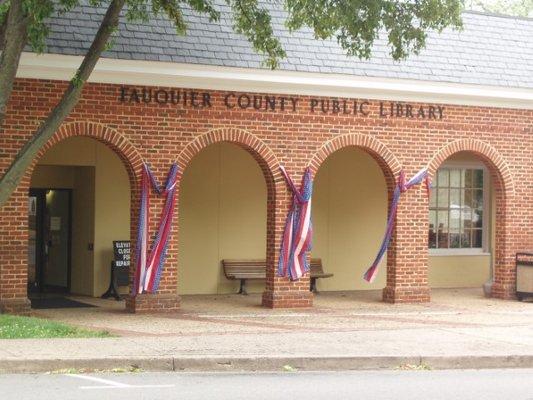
[244, 270]
[317, 272]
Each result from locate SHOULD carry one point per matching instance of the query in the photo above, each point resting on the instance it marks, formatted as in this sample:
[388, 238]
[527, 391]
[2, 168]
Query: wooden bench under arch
[244, 270]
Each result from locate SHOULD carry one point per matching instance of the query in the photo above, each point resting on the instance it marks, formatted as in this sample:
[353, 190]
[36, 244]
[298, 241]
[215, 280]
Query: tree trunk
[70, 98]
[2, 33]
[13, 34]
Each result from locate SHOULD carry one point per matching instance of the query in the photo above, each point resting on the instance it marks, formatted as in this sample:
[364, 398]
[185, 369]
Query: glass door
[35, 239]
[49, 240]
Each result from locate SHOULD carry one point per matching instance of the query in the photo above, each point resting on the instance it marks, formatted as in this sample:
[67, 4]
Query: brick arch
[494, 160]
[379, 151]
[384, 157]
[504, 189]
[121, 146]
[265, 157]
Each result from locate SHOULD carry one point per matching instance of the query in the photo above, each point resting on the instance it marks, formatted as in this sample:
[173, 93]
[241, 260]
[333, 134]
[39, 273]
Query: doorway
[49, 244]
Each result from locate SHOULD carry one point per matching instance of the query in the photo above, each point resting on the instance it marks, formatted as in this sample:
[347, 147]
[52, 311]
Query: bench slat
[256, 269]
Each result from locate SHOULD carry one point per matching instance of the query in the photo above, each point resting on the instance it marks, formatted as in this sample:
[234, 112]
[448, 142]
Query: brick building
[463, 108]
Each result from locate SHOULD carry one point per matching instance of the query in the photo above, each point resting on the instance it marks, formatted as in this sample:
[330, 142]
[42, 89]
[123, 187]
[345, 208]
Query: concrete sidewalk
[459, 329]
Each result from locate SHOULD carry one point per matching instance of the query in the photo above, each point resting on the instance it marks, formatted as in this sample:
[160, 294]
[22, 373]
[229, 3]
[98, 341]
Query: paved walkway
[351, 330]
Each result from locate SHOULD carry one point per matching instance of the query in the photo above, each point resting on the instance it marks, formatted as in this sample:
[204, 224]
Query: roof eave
[156, 73]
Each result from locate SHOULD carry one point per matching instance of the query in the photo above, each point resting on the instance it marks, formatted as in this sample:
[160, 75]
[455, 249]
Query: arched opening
[465, 196]
[350, 204]
[79, 202]
[222, 215]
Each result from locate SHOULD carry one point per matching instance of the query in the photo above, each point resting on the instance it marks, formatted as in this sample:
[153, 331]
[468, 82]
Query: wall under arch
[100, 205]
[349, 218]
[222, 214]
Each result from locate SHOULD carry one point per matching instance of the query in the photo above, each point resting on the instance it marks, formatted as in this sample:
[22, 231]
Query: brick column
[280, 292]
[507, 244]
[407, 271]
[14, 254]
[166, 299]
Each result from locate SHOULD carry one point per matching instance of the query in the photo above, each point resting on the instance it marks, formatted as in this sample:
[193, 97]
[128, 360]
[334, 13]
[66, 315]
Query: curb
[268, 364]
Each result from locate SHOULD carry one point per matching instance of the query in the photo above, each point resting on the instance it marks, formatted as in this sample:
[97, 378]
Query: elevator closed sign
[121, 264]
[121, 250]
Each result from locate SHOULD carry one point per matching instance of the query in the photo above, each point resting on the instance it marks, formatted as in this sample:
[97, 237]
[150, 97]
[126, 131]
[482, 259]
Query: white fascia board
[156, 73]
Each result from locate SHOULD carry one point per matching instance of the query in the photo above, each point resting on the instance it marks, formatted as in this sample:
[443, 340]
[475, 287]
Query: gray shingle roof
[491, 50]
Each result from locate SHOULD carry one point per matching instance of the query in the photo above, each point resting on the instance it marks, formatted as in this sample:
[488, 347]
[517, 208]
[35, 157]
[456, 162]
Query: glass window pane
[433, 198]
[432, 219]
[478, 178]
[442, 198]
[455, 198]
[432, 240]
[468, 178]
[466, 217]
[442, 230]
[455, 218]
[443, 221]
[455, 178]
[432, 229]
[477, 218]
[443, 177]
[455, 240]
[465, 239]
[442, 240]
[467, 198]
[477, 238]
[477, 201]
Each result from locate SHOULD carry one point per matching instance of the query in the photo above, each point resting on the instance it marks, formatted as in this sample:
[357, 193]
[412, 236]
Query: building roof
[490, 50]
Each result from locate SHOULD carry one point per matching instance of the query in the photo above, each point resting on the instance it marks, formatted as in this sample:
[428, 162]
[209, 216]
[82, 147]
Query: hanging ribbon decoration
[297, 236]
[149, 264]
[401, 187]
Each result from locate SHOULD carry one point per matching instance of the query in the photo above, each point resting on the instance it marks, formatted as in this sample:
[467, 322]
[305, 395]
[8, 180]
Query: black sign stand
[112, 291]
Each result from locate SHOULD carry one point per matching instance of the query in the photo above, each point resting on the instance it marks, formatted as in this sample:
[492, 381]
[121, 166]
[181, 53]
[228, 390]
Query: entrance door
[49, 240]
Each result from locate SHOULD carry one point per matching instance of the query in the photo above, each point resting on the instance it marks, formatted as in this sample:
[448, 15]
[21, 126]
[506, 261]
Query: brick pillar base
[15, 306]
[153, 303]
[406, 295]
[288, 299]
[503, 291]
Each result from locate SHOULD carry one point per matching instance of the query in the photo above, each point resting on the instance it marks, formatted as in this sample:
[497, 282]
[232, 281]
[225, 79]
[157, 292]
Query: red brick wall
[164, 133]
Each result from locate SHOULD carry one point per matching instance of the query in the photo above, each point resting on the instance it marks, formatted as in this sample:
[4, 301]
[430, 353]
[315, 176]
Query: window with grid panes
[456, 209]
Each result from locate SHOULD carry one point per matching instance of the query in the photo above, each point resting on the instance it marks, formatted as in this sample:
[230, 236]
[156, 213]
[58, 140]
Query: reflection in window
[456, 209]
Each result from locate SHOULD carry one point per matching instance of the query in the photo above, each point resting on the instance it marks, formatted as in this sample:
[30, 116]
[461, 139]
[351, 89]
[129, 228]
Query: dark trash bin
[524, 275]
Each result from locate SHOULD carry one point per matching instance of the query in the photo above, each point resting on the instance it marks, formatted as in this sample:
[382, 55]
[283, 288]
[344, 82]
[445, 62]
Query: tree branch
[13, 35]
[70, 98]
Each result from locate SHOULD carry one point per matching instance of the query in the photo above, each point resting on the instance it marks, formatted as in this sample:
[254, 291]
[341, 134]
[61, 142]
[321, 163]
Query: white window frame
[487, 213]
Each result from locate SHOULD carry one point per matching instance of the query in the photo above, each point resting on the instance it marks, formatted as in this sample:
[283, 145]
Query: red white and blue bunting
[401, 187]
[149, 264]
[298, 233]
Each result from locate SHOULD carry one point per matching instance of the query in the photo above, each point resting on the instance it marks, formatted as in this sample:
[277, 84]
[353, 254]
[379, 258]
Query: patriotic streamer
[149, 264]
[298, 231]
[401, 187]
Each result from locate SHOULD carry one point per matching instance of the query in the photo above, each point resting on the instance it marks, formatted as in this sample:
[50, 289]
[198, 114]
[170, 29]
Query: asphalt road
[371, 385]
